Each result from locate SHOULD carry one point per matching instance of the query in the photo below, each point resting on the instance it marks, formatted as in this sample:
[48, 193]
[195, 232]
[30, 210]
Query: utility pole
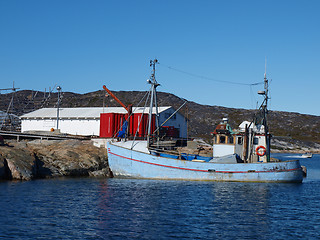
[59, 91]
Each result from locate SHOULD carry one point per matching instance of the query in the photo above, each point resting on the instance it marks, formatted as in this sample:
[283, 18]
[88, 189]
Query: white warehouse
[86, 121]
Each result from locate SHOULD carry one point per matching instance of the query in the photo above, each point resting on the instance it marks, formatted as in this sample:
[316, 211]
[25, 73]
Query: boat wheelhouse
[248, 142]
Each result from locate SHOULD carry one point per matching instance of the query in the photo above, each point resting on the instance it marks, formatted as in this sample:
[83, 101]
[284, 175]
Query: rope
[145, 104]
[130, 116]
[212, 79]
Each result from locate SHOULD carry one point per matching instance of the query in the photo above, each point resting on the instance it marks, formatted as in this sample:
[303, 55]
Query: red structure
[169, 131]
[111, 124]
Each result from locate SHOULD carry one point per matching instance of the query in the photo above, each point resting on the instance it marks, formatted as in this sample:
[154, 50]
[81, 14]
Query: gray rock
[48, 158]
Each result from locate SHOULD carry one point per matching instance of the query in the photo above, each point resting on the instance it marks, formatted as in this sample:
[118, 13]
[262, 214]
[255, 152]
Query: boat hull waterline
[125, 162]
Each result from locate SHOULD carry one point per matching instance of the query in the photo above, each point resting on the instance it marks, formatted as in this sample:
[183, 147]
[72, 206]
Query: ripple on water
[146, 209]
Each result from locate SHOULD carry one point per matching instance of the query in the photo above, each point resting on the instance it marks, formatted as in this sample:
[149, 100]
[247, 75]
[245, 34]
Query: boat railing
[178, 155]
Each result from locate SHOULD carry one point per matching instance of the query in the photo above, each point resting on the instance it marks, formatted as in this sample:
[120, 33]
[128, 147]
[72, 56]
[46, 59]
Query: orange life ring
[261, 153]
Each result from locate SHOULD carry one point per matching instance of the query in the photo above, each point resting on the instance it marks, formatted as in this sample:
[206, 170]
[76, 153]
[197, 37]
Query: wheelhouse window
[222, 139]
[255, 141]
[230, 139]
[239, 141]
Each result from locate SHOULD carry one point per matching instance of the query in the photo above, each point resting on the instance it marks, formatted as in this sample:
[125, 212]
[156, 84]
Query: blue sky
[82, 45]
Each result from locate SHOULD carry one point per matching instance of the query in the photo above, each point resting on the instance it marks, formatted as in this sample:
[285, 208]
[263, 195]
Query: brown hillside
[203, 118]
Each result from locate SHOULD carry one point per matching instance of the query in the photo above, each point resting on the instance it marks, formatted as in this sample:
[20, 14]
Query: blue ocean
[86, 208]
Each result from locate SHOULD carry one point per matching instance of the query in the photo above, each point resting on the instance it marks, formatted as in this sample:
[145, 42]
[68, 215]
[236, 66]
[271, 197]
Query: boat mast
[153, 98]
[265, 112]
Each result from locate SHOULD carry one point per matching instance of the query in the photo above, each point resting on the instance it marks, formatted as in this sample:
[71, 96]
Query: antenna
[12, 89]
[265, 111]
[266, 82]
[265, 67]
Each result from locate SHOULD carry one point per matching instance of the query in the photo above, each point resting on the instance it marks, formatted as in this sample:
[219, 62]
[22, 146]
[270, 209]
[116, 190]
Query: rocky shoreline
[28, 160]
[290, 145]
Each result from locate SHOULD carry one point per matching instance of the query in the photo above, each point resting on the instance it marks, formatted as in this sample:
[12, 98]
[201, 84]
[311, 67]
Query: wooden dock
[43, 136]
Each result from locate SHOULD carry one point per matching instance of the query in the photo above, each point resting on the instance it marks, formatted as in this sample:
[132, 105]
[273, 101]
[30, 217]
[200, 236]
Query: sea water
[86, 208]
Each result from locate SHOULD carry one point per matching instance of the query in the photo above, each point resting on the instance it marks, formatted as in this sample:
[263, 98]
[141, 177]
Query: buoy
[261, 153]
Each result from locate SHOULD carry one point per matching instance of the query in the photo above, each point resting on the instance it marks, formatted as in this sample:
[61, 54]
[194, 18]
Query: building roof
[83, 113]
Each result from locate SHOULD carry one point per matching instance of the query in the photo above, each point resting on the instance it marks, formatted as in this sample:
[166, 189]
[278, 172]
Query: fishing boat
[237, 155]
[307, 155]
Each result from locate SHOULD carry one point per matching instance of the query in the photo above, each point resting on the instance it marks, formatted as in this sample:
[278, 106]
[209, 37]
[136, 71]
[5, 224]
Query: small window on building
[239, 140]
[222, 139]
[255, 141]
[230, 139]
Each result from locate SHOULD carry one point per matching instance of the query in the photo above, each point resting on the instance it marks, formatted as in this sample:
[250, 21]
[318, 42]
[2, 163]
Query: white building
[86, 121]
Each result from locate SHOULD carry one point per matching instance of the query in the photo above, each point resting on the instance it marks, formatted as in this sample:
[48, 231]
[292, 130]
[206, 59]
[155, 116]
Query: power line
[212, 79]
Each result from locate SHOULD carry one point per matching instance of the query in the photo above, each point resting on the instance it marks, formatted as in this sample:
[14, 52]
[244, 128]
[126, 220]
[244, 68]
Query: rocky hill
[293, 128]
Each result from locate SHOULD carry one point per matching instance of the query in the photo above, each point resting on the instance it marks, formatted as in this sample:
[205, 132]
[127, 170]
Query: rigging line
[253, 99]
[212, 79]
[7, 113]
[170, 116]
[145, 105]
[130, 116]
